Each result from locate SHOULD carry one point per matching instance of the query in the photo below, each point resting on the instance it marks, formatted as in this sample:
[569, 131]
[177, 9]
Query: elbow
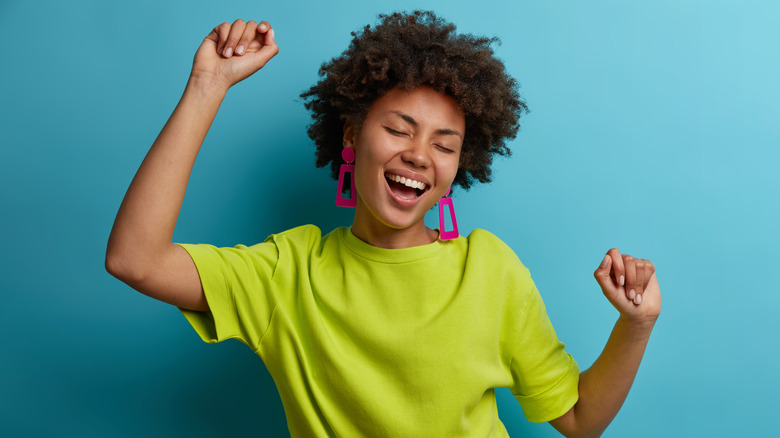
[122, 267]
[583, 435]
[569, 427]
[575, 433]
[113, 265]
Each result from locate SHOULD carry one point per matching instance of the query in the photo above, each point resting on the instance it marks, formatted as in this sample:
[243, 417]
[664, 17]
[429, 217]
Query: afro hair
[409, 50]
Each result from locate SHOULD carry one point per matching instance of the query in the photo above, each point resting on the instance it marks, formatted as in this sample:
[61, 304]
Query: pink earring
[348, 154]
[447, 235]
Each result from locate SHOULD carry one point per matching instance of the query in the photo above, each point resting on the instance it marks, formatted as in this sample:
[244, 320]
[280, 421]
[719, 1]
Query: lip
[406, 174]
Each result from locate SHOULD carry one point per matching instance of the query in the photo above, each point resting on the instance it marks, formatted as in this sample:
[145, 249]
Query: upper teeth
[408, 182]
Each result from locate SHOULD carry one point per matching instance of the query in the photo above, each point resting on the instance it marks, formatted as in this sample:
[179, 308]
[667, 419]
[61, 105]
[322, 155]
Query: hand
[231, 53]
[630, 285]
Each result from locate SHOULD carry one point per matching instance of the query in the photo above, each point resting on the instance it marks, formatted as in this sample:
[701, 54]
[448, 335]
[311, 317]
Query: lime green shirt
[365, 341]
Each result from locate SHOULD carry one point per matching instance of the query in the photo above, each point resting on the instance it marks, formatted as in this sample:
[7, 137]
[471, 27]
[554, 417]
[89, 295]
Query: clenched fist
[630, 285]
[233, 52]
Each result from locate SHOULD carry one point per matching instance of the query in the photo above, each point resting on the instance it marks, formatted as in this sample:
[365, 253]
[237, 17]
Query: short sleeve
[545, 376]
[238, 285]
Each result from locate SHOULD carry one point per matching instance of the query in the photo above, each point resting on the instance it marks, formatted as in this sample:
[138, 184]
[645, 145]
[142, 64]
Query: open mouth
[405, 188]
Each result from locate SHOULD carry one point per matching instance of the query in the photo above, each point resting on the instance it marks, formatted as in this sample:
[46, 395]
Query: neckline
[385, 255]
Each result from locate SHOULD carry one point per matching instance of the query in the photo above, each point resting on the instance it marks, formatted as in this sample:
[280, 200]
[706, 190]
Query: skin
[415, 134]
[140, 251]
[604, 386]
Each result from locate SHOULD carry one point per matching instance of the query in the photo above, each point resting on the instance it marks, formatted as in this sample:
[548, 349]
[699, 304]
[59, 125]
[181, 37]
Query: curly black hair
[409, 50]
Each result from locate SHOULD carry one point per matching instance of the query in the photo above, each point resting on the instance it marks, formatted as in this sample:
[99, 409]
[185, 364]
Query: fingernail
[604, 262]
[262, 27]
[228, 52]
[240, 49]
[622, 280]
[631, 294]
[638, 299]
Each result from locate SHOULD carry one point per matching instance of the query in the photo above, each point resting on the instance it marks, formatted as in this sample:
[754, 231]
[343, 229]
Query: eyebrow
[410, 120]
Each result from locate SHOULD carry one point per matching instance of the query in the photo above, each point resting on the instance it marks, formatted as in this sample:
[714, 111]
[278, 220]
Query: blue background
[654, 129]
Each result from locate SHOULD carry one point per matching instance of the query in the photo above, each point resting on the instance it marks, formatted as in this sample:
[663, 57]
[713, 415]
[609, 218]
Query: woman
[387, 327]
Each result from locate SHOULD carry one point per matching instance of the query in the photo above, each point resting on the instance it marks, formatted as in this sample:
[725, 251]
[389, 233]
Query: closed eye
[394, 132]
[448, 150]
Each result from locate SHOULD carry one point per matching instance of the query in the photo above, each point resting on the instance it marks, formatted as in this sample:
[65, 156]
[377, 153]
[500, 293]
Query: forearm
[147, 217]
[604, 386]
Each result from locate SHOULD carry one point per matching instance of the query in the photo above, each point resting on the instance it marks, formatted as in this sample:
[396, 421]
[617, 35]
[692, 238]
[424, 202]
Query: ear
[349, 134]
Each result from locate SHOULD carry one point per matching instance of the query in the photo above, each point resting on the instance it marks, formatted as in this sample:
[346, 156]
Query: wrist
[207, 85]
[641, 327]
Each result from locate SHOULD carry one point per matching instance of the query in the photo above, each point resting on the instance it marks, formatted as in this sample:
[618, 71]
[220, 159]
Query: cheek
[450, 170]
[365, 171]
[370, 157]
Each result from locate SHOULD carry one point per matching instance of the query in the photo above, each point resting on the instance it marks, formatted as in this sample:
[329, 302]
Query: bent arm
[632, 287]
[604, 386]
[140, 250]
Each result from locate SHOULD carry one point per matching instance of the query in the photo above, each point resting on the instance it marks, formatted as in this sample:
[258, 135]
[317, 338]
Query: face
[406, 156]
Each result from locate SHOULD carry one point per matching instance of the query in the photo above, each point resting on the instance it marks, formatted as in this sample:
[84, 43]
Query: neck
[380, 235]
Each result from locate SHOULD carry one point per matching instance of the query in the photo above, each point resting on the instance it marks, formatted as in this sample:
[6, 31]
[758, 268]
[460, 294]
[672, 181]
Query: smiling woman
[387, 327]
[407, 154]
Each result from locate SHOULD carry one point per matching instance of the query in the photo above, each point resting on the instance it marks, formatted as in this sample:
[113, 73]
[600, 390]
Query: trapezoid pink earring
[452, 234]
[348, 154]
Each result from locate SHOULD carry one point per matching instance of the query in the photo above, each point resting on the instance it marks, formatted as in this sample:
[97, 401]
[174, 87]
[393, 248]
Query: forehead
[423, 104]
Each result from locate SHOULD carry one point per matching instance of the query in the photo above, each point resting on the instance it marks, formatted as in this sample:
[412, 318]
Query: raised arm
[631, 286]
[140, 248]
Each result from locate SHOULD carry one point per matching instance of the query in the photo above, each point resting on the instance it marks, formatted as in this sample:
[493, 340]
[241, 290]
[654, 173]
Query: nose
[417, 154]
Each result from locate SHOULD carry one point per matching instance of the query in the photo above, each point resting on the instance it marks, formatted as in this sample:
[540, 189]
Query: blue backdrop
[654, 129]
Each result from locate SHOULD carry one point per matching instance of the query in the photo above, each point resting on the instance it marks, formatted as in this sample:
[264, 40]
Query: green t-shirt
[365, 341]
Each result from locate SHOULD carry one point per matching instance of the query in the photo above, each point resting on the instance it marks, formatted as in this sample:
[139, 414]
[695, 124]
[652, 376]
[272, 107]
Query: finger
[601, 274]
[641, 280]
[236, 30]
[214, 34]
[650, 269]
[649, 275]
[249, 34]
[269, 49]
[630, 265]
[259, 36]
[219, 35]
[268, 34]
[264, 26]
[618, 268]
[256, 35]
[221, 32]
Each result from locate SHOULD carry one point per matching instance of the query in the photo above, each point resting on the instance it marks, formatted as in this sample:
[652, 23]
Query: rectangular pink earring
[348, 154]
[447, 235]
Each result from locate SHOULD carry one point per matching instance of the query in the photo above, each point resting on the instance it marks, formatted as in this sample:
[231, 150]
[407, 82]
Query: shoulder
[303, 236]
[484, 243]
[302, 232]
[498, 263]
[306, 241]
[480, 236]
